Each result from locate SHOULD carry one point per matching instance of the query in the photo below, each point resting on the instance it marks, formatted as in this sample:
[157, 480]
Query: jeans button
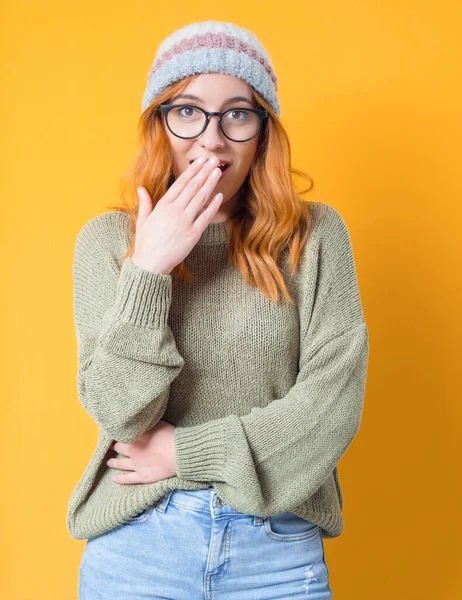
[219, 502]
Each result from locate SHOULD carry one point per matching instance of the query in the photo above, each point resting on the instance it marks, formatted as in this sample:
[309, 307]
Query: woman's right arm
[127, 356]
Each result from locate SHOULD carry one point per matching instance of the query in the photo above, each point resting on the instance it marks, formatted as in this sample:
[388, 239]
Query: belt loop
[259, 520]
[162, 503]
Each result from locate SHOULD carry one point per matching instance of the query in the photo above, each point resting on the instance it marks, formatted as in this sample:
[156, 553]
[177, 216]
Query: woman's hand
[150, 458]
[166, 234]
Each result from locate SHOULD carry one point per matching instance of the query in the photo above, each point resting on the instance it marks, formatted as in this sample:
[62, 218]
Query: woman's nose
[212, 131]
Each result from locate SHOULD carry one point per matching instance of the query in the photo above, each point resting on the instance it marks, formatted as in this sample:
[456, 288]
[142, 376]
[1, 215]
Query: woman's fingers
[210, 173]
[182, 181]
[125, 464]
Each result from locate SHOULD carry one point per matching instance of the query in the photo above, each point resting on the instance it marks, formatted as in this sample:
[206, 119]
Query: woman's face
[212, 92]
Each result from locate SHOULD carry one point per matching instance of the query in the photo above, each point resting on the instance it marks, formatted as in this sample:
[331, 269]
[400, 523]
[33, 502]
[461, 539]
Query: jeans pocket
[140, 517]
[287, 526]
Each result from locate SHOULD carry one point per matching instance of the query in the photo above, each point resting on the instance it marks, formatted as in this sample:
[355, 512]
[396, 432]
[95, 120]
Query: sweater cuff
[201, 451]
[143, 297]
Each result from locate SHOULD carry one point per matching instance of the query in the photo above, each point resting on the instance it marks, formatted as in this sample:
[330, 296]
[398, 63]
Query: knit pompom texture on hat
[212, 47]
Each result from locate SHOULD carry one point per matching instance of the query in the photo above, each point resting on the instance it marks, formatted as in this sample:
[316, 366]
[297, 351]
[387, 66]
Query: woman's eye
[237, 112]
[186, 108]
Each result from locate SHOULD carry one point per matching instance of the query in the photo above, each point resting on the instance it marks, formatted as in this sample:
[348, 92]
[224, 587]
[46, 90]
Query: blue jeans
[189, 545]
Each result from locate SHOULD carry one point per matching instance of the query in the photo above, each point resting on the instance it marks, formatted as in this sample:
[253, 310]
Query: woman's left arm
[274, 458]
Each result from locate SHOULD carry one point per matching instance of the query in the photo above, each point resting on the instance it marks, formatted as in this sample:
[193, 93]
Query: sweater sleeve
[275, 457]
[127, 355]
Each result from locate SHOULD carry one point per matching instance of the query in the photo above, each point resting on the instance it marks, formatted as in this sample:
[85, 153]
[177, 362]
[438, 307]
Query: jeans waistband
[202, 500]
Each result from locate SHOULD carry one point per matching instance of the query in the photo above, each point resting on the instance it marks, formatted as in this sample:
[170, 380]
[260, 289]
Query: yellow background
[371, 98]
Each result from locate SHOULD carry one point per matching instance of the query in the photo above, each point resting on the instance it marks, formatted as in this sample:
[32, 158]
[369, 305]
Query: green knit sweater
[266, 397]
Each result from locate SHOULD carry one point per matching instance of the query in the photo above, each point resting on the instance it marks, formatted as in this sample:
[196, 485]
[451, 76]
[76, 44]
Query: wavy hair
[270, 217]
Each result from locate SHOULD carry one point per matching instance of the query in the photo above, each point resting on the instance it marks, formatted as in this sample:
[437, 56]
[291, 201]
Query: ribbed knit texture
[266, 397]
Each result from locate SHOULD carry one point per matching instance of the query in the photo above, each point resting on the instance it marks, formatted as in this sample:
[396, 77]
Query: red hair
[270, 217]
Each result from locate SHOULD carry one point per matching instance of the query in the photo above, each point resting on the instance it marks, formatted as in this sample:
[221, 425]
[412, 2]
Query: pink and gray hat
[212, 47]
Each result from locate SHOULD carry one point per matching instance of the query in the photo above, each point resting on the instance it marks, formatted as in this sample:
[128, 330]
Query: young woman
[222, 347]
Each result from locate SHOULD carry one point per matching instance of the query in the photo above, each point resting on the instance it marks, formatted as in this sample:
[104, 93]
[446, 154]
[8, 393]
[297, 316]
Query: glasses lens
[186, 121]
[238, 124]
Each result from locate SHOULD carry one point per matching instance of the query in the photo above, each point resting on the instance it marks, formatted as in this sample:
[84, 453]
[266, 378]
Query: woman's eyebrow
[197, 99]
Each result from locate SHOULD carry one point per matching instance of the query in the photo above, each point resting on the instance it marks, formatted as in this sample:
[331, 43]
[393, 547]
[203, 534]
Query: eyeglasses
[187, 121]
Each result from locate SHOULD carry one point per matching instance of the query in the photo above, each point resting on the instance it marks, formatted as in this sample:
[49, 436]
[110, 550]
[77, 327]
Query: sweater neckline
[214, 233]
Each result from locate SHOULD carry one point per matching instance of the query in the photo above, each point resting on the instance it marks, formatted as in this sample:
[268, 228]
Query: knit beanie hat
[212, 47]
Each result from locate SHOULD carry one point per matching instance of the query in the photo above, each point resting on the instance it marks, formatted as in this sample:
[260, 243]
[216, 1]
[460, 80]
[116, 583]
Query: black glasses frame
[166, 108]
